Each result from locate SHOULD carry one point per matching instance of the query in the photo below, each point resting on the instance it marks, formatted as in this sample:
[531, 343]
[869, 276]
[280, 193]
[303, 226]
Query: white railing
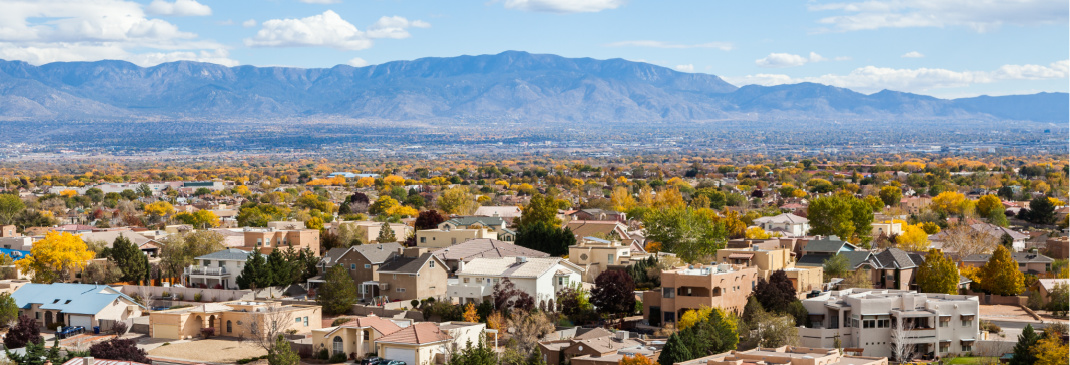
[206, 271]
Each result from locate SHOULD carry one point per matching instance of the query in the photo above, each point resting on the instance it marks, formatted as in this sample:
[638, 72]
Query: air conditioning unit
[384, 286]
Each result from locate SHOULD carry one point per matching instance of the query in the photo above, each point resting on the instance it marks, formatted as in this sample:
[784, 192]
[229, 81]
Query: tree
[10, 205]
[938, 274]
[506, 296]
[1023, 350]
[540, 209]
[1051, 350]
[686, 232]
[967, 241]
[25, 331]
[1058, 299]
[106, 272]
[478, 355]
[55, 258]
[119, 349]
[635, 360]
[129, 258]
[383, 204]
[282, 354]
[159, 209]
[902, 350]
[1041, 211]
[575, 302]
[1000, 275]
[776, 294]
[613, 293]
[386, 234]
[338, 293]
[693, 317]
[429, 219]
[836, 267]
[951, 203]
[9, 311]
[766, 329]
[255, 274]
[37, 354]
[528, 327]
[857, 279]
[200, 219]
[457, 200]
[891, 195]
[988, 204]
[913, 238]
[998, 217]
[470, 314]
[265, 328]
[545, 237]
[675, 351]
[845, 216]
[278, 269]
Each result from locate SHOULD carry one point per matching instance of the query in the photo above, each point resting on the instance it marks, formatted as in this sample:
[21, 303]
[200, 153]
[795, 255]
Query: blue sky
[945, 48]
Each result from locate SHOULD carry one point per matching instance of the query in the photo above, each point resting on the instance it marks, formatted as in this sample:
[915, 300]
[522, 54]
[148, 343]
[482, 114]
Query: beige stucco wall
[184, 323]
[438, 238]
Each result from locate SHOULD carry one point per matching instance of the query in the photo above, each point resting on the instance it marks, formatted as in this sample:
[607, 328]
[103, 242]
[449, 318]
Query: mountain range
[509, 86]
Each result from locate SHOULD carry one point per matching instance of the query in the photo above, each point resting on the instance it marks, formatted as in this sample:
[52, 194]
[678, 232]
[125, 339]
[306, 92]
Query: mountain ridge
[512, 86]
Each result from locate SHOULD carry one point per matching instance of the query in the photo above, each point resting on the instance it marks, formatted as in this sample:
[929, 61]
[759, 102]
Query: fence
[989, 299]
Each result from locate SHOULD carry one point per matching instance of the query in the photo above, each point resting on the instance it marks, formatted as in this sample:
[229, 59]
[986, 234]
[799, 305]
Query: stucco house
[787, 224]
[416, 274]
[220, 268]
[427, 343]
[691, 287]
[541, 278]
[767, 261]
[75, 304]
[596, 255]
[234, 319]
[482, 248]
[356, 338]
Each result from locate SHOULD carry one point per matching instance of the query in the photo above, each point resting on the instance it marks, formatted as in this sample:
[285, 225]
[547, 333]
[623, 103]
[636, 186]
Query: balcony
[823, 333]
[475, 291]
[196, 270]
[919, 335]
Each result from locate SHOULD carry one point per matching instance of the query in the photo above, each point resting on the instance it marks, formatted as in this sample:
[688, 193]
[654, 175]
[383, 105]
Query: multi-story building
[415, 274]
[596, 255]
[218, 269]
[695, 286]
[786, 356]
[541, 278]
[482, 248]
[268, 239]
[445, 236]
[768, 261]
[368, 231]
[493, 222]
[787, 224]
[1031, 263]
[885, 323]
[361, 262]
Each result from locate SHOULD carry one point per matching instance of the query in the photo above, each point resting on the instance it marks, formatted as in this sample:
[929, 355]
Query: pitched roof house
[483, 248]
[541, 278]
[75, 304]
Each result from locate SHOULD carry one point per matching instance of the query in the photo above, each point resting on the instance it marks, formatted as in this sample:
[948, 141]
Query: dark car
[373, 360]
[393, 362]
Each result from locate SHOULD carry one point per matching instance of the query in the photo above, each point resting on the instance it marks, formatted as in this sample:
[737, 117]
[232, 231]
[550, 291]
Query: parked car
[372, 360]
[70, 331]
[393, 362]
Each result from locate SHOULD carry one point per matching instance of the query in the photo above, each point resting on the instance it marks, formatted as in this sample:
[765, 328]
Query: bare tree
[967, 241]
[902, 350]
[528, 327]
[267, 323]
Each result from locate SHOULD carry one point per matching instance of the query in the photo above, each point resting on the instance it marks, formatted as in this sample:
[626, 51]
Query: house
[427, 343]
[596, 255]
[368, 231]
[268, 239]
[1018, 239]
[415, 274]
[495, 223]
[787, 356]
[541, 278]
[1031, 263]
[482, 248]
[1045, 287]
[1058, 247]
[787, 224]
[914, 204]
[886, 228]
[8, 230]
[815, 252]
[608, 230]
[355, 338]
[598, 215]
[694, 286]
[219, 270]
[768, 261]
[445, 236]
[149, 246]
[83, 305]
[876, 320]
[235, 319]
[506, 212]
[597, 347]
[891, 269]
[362, 262]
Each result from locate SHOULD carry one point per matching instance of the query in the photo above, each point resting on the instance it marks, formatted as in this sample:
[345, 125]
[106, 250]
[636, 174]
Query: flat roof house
[786, 356]
[234, 319]
[218, 269]
[694, 286]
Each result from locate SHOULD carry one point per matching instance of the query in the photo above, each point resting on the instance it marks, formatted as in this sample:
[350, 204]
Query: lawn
[976, 360]
[213, 350]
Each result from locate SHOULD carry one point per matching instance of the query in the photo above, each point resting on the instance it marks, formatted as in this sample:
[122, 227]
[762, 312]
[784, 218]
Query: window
[306, 321]
[38, 315]
[967, 322]
[432, 263]
[423, 239]
[229, 329]
[945, 346]
[466, 280]
[352, 266]
[400, 290]
[367, 266]
[668, 293]
[609, 258]
[367, 335]
[967, 347]
[259, 241]
[336, 345]
[206, 262]
[298, 319]
[479, 280]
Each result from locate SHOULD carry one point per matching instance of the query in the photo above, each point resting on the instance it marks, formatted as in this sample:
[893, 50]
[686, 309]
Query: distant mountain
[507, 86]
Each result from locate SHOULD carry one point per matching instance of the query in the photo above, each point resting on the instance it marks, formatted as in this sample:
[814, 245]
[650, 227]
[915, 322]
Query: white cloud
[978, 15]
[357, 62]
[46, 31]
[329, 30]
[178, 8]
[780, 60]
[321, 1]
[249, 23]
[685, 68]
[564, 6]
[912, 54]
[724, 46]
[872, 79]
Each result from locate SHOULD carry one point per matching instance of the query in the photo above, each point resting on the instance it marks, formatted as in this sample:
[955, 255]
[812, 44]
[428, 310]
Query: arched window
[337, 345]
[229, 329]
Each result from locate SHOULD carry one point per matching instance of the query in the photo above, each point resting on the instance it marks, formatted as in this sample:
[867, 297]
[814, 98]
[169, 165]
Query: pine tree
[1023, 352]
[338, 293]
[278, 269]
[938, 274]
[129, 258]
[282, 353]
[255, 273]
[674, 351]
[386, 234]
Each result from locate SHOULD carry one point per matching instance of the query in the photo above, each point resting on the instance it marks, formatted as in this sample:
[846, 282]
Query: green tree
[1059, 301]
[891, 195]
[836, 266]
[386, 234]
[848, 217]
[279, 270]
[129, 258]
[37, 354]
[255, 274]
[10, 205]
[282, 354]
[338, 293]
[686, 232]
[674, 351]
[1041, 211]
[1000, 275]
[545, 237]
[1023, 350]
[998, 217]
[541, 209]
[938, 274]
[9, 311]
[478, 355]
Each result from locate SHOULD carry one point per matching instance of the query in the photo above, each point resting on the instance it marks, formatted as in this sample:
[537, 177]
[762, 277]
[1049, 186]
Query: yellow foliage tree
[159, 209]
[1051, 350]
[913, 238]
[638, 359]
[1000, 275]
[951, 203]
[55, 258]
[470, 314]
[365, 182]
[402, 211]
[622, 199]
[757, 233]
[68, 193]
[394, 180]
[241, 190]
[987, 204]
[691, 317]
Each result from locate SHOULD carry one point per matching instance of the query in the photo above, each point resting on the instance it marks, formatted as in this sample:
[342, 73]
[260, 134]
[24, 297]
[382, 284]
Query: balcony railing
[206, 271]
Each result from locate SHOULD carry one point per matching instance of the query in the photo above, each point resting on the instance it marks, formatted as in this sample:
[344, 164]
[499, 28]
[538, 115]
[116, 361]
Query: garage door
[401, 354]
[165, 331]
[84, 321]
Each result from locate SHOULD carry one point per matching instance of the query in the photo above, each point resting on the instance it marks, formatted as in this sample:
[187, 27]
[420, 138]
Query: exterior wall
[184, 323]
[597, 258]
[371, 229]
[542, 288]
[353, 342]
[228, 279]
[888, 229]
[728, 291]
[796, 229]
[266, 239]
[438, 238]
[806, 279]
[118, 310]
[431, 283]
[358, 266]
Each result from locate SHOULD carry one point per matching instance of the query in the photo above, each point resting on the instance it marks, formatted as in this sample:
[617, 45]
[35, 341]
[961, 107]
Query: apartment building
[881, 322]
[445, 236]
[787, 356]
[694, 286]
[268, 239]
[768, 261]
[596, 255]
[786, 224]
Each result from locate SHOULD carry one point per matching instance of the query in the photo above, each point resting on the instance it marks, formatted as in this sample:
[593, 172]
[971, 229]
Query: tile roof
[68, 298]
[378, 253]
[407, 265]
[485, 247]
[228, 254]
[383, 325]
[417, 334]
[509, 267]
[469, 220]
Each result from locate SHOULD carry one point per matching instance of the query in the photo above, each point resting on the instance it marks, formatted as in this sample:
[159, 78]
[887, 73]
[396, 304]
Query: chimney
[460, 265]
[622, 335]
[88, 360]
[521, 259]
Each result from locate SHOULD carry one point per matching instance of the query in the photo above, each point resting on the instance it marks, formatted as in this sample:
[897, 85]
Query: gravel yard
[211, 350]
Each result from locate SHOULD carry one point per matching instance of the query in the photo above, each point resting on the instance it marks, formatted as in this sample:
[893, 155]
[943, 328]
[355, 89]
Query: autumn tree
[506, 296]
[686, 232]
[528, 327]
[55, 258]
[470, 314]
[692, 317]
[429, 219]
[890, 195]
[25, 331]
[1051, 350]
[613, 293]
[1000, 274]
[967, 241]
[540, 209]
[987, 204]
[848, 217]
[457, 200]
[386, 234]
[638, 359]
[951, 203]
[178, 251]
[938, 274]
[913, 238]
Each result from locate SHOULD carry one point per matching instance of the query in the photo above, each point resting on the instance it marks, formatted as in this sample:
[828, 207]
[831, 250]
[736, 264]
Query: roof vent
[521, 259]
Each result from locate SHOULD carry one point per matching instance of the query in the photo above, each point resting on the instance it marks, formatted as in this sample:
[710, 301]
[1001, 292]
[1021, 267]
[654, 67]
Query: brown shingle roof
[417, 334]
[485, 247]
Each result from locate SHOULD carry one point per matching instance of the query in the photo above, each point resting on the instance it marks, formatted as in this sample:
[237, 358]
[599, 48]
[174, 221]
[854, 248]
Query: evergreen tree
[129, 258]
[1023, 350]
[338, 293]
[386, 234]
[938, 274]
[37, 354]
[282, 354]
[278, 269]
[255, 274]
[478, 355]
[1041, 211]
[674, 351]
[545, 237]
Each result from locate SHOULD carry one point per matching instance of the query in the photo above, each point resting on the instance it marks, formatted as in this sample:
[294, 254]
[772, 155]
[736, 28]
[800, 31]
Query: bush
[207, 332]
[414, 303]
[197, 297]
[250, 359]
[119, 349]
[337, 358]
[323, 354]
[990, 327]
[25, 331]
[339, 321]
[119, 328]
[55, 325]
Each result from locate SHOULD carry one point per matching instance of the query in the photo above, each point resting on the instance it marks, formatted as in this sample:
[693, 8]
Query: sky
[944, 48]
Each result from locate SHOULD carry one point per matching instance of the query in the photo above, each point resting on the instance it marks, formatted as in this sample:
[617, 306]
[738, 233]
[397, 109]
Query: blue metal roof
[14, 254]
[68, 298]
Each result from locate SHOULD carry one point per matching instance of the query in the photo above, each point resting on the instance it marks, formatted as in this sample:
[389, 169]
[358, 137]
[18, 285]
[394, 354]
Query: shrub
[119, 329]
[26, 330]
[197, 297]
[414, 303]
[323, 354]
[119, 349]
[180, 297]
[339, 321]
[250, 359]
[207, 332]
[337, 358]
[165, 294]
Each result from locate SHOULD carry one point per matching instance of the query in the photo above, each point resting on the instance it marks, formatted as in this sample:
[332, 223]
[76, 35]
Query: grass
[975, 360]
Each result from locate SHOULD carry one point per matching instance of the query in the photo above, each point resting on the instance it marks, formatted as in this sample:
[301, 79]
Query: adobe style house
[355, 338]
[445, 236]
[786, 224]
[220, 268]
[541, 278]
[234, 319]
[876, 320]
[494, 223]
[1031, 263]
[694, 286]
[787, 356]
[1058, 247]
[1045, 287]
[75, 304]
[597, 347]
[768, 261]
[482, 248]
[362, 262]
[415, 274]
[596, 255]
[369, 230]
[594, 214]
[427, 343]
[268, 239]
